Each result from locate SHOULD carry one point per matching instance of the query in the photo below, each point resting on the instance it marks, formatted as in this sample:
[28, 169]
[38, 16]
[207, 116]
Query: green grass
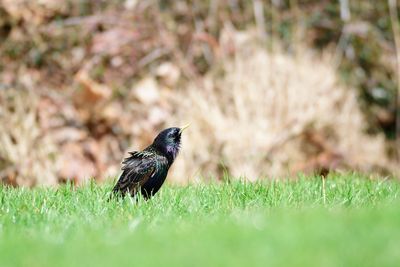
[282, 223]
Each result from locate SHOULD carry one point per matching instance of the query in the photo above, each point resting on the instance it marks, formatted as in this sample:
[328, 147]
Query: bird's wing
[137, 169]
[135, 158]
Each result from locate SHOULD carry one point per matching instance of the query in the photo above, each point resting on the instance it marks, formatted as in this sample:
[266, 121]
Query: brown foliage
[79, 86]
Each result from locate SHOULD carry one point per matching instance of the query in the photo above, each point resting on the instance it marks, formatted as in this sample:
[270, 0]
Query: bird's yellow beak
[184, 127]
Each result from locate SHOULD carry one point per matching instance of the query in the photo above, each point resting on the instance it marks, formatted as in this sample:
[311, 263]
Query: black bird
[145, 171]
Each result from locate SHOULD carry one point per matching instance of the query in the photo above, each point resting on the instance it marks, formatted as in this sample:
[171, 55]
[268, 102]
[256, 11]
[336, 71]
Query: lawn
[269, 223]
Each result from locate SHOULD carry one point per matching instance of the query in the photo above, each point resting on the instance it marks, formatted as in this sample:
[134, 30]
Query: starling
[145, 171]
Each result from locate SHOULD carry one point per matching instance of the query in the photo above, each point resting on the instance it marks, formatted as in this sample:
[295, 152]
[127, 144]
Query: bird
[145, 171]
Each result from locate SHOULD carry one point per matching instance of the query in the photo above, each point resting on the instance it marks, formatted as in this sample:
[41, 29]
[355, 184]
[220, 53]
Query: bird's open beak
[184, 127]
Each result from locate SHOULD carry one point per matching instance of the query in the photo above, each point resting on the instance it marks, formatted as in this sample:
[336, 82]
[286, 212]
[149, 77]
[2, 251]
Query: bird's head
[168, 142]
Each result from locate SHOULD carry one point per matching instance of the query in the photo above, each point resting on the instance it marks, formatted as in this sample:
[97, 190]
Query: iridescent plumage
[146, 170]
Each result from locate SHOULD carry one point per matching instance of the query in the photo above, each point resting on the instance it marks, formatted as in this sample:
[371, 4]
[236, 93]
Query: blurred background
[271, 88]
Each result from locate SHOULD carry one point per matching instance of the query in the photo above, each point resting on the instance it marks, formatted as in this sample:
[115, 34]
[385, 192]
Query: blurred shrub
[27, 154]
[273, 114]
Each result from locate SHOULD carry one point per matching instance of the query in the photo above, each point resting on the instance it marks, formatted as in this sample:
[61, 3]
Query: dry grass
[27, 156]
[100, 79]
[256, 113]
[255, 120]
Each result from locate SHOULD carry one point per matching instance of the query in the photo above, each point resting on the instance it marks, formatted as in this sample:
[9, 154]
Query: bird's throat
[172, 152]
